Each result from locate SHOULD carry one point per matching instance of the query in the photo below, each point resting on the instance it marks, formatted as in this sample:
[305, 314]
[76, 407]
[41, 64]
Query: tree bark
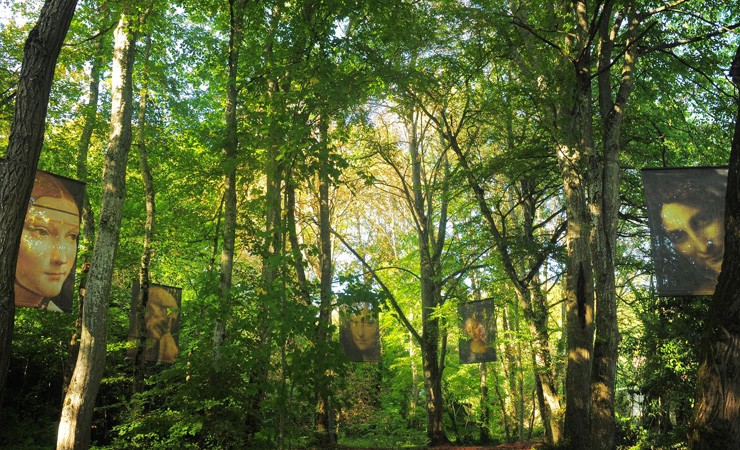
[79, 402]
[24, 147]
[717, 411]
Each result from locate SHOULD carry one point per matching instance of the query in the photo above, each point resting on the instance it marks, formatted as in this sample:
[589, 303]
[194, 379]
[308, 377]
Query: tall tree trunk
[717, 410]
[79, 402]
[326, 433]
[430, 247]
[88, 219]
[90, 115]
[146, 252]
[231, 144]
[510, 367]
[574, 156]
[24, 147]
[414, 380]
[605, 208]
[485, 415]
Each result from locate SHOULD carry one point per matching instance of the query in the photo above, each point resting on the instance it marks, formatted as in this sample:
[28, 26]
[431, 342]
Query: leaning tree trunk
[717, 410]
[79, 402]
[24, 147]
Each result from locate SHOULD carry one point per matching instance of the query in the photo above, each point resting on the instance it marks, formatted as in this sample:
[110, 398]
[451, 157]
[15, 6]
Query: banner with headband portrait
[44, 274]
[686, 215]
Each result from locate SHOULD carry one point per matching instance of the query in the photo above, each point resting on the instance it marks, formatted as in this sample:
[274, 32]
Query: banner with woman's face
[477, 332]
[162, 323]
[44, 274]
[359, 333]
[686, 215]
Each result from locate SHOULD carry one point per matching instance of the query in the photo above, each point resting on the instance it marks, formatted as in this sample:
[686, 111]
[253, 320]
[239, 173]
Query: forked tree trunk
[717, 410]
[24, 147]
[79, 402]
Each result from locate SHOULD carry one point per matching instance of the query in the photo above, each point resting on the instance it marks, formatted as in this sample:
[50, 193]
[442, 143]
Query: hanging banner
[162, 322]
[477, 332]
[44, 274]
[686, 210]
[359, 333]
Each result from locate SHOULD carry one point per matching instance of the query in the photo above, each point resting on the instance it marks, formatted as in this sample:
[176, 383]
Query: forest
[316, 224]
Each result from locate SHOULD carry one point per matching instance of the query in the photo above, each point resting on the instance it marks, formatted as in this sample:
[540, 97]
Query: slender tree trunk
[88, 219]
[326, 433]
[485, 415]
[502, 404]
[510, 369]
[414, 380]
[24, 147]
[146, 252]
[91, 114]
[74, 427]
[231, 144]
[717, 411]
[519, 375]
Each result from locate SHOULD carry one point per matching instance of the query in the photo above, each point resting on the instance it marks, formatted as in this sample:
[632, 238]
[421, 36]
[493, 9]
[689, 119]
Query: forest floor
[512, 446]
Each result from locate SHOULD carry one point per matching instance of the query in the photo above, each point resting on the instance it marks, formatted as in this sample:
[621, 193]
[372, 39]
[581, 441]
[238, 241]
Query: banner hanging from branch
[162, 322]
[45, 271]
[359, 332]
[478, 332]
[686, 210]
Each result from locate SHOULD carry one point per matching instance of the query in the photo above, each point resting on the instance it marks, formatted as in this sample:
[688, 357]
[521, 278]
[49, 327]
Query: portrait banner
[477, 332]
[47, 256]
[359, 333]
[686, 211]
[161, 320]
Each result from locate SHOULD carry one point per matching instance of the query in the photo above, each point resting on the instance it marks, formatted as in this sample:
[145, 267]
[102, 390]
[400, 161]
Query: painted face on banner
[160, 312]
[48, 245]
[695, 233]
[364, 329]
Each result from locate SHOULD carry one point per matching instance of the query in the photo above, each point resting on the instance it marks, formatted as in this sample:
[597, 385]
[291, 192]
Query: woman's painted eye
[678, 236]
[38, 231]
